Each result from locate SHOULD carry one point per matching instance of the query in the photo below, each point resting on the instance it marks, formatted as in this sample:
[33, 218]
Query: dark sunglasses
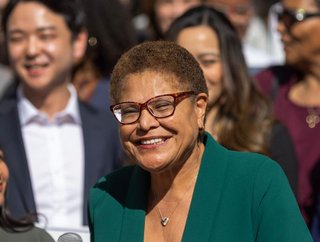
[290, 17]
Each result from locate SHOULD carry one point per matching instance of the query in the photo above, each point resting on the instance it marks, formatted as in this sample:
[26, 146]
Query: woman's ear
[201, 106]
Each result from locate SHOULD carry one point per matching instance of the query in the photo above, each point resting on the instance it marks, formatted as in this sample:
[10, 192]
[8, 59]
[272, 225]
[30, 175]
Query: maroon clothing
[306, 140]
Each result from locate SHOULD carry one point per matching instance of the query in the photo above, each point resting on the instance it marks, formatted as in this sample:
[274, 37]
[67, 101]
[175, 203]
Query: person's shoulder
[261, 170]
[102, 119]
[41, 235]
[241, 163]
[88, 109]
[115, 184]
[7, 105]
[251, 160]
[33, 234]
[268, 80]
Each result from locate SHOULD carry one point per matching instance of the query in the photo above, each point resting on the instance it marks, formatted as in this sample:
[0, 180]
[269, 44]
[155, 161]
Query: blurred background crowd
[262, 67]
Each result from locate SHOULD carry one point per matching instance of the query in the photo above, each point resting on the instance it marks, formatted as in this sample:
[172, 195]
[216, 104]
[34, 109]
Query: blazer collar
[204, 202]
[207, 193]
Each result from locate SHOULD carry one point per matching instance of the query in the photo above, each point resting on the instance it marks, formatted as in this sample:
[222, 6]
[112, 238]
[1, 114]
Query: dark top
[238, 196]
[282, 151]
[276, 83]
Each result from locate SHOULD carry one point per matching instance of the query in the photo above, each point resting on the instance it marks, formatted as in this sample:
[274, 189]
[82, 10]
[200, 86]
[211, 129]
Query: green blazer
[239, 196]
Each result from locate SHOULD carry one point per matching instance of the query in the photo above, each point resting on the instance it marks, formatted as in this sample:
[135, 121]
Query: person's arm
[276, 214]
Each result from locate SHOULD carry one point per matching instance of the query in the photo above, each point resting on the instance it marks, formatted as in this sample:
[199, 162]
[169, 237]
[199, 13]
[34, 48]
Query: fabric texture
[33, 235]
[238, 196]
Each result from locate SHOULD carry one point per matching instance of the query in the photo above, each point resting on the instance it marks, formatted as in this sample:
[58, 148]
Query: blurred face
[239, 12]
[203, 44]
[300, 38]
[41, 50]
[4, 176]
[161, 144]
[168, 10]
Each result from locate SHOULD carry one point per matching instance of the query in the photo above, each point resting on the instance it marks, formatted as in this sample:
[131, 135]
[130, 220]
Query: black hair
[71, 10]
[13, 225]
[110, 33]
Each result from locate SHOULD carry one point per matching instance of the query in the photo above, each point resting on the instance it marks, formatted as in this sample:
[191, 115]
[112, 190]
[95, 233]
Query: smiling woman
[294, 89]
[183, 186]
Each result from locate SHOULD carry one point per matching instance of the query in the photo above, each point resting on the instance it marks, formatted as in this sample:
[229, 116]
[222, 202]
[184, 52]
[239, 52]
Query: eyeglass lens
[159, 107]
[291, 17]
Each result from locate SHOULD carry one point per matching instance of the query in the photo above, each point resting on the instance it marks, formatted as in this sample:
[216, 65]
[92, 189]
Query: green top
[239, 196]
[33, 235]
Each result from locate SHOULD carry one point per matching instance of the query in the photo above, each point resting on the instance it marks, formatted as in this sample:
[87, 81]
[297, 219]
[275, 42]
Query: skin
[203, 44]
[302, 49]
[168, 10]
[41, 52]
[239, 12]
[4, 176]
[172, 160]
[179, 144]
[3, 3]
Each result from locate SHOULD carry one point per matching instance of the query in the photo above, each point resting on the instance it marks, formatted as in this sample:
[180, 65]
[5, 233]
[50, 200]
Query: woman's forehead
[148, 84]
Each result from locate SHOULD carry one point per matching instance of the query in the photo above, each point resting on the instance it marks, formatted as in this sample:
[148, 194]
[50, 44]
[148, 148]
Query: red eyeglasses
[159, 107]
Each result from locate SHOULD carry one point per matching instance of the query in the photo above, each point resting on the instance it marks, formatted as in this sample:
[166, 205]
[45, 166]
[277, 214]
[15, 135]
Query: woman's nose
[147, 121]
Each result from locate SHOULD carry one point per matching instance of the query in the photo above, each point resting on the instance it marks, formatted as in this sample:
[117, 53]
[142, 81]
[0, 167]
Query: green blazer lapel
[207, 193]
[135, 208]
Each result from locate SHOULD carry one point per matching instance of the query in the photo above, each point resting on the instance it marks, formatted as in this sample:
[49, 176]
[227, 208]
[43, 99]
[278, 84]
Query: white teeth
[152, 141]
[35, 66]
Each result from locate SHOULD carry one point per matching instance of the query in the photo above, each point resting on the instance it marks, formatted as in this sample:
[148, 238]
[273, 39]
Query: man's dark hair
[71, 10]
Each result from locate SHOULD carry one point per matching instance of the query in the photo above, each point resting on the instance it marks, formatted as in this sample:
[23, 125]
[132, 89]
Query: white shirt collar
[28, 113]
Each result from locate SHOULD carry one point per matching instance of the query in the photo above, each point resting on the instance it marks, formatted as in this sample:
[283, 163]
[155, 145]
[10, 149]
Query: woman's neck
[306, 92]
[171, 184]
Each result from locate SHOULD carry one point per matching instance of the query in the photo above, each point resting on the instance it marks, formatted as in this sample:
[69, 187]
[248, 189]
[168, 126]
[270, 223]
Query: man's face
[40, 45]
[239, 12]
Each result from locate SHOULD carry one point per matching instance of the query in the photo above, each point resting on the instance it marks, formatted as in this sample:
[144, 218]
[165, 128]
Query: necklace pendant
[164, 221]
[312, 120]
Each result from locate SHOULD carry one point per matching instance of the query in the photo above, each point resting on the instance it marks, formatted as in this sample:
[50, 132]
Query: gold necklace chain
[313, 117]
[164, 220]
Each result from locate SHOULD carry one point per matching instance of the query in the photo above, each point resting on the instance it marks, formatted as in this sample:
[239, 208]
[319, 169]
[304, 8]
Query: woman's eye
[162, 105]
[128, 111]
[208, 62]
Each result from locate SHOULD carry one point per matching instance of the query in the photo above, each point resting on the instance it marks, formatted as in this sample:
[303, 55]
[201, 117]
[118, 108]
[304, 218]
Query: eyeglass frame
[295, 16]
[178, 97]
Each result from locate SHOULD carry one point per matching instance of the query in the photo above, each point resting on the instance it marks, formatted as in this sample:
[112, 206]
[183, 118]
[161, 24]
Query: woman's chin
[154, 167]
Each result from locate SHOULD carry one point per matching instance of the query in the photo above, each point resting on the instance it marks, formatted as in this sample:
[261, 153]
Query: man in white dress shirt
[62, 146]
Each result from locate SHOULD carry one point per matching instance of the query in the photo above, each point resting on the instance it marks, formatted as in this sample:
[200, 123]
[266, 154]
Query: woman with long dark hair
[238, 115]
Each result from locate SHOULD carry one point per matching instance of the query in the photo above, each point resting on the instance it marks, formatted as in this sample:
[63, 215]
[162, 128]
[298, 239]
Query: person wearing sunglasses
[294, 88]
[184, 186]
